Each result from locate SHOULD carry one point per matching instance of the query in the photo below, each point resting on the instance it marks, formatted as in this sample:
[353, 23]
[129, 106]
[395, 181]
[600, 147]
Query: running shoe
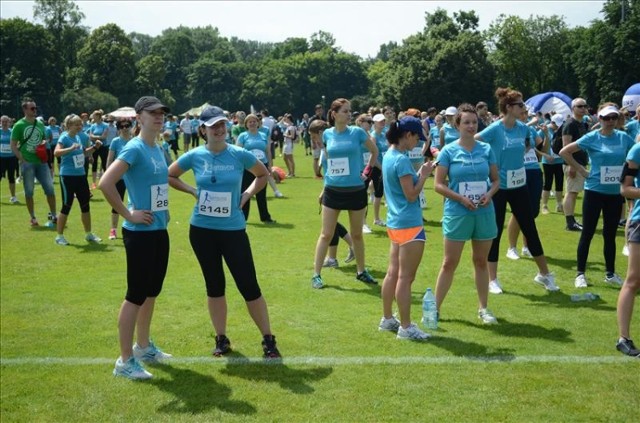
[526, 253]
[223, 346]
[131, 369]
[495, 287]
[112, 234]
[627, 347]
[366, 229]
[316, 282]
[330, 262]
[93, 186]
[60, 240]
[512, 254]
[487, 317]
[391, 324]
[34, 222]
[350, 257]
[278, 194]
[366, 277]
[269, 348]
[548, 281]
[545, 210]
[613, 279]
[13, 200]
[580, 281]
[379, 222]
[559, 208]
[574, 227]
[413, 333]
[150, 354]
[91, 237]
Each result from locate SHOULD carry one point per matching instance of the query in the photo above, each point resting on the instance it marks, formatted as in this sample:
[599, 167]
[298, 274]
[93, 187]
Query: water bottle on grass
[587, 296]
[429, 310]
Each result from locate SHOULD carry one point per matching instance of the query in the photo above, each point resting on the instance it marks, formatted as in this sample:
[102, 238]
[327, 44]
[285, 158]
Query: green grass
[548, 360]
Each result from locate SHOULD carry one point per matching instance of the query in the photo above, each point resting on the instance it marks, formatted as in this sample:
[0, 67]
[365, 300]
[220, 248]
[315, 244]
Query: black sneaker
[269, 221]
[366, 278]
[626, 346]
[574, 227]
[223, 346]
[269, 347]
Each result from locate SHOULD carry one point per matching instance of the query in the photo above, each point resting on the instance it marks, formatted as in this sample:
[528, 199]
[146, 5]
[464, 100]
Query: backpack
[294, 133]
[276, 134]
[556, 141]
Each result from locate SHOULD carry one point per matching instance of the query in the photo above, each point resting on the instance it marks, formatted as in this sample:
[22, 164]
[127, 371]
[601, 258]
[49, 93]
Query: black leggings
[9, 166]
[553, 172]
[210, 246]
[121, 188]
[611, 207]
[74, 187]
[147, 260]
[261, 198]
[102, 153]
[519, 202]
[340, 232]
[376, 179]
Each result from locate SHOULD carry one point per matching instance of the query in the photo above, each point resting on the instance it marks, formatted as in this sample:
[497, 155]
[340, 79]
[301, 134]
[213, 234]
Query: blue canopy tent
[553, 101]
[631, 98]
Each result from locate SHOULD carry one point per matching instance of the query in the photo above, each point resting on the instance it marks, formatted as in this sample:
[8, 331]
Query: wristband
[368, 170]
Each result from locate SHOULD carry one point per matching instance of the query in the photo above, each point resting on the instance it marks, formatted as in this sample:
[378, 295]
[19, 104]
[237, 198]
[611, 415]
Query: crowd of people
[482, 162]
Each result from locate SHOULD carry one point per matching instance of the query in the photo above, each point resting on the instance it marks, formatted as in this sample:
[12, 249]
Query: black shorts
[9, 166]
[147, 259]
[349, 198]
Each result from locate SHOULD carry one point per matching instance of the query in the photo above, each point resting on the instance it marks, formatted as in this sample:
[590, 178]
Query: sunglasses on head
[609, 118]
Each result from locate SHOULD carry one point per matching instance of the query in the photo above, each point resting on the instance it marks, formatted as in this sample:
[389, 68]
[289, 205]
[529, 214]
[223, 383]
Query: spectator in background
[449, 133]
[239, 127]
[484, 119]
[171, 127]
[54, 133]
[290, 136]
[117, 144]
[185, 128]
[195, 137]
[8, 160]
[574, 129]
[98, 132]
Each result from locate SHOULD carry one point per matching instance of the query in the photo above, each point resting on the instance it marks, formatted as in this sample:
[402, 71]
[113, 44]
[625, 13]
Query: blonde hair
[71, 119]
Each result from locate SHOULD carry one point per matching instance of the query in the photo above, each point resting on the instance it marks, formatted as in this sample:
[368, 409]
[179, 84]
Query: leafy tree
[214, 81]
[290, 47]
[322, 40]
[141, 44]
[251, 51]
[88, 99]
[151, 73]
[62, 18]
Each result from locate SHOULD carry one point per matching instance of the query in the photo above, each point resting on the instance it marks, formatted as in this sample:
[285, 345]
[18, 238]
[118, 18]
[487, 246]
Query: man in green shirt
[26, 135]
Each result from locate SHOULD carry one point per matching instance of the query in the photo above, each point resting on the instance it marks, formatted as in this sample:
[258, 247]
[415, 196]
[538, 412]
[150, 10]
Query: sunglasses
[33, 109]
[519, 104]
[581, 106]
[609, 118]
[367, 121]
[127, 126]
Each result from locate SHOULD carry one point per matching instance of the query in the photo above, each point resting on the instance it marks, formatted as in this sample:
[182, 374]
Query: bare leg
[126, 325]
[329, 219]
[143, 325]
[355, 229]
[62, 222]
[86, 221]
[480, 254]
[260, 314]
[388, 291]
[409, 259]
[452, 253]
[218, 314]
[513, 230]
[628, 292]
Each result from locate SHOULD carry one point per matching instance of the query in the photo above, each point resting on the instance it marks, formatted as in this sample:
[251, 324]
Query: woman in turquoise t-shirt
[464, 170]
[116, 146]
[449, 133]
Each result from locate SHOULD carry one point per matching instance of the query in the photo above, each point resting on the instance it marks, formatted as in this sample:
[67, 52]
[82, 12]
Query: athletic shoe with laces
[131, 369]
[580, 281]
[495, 287]
[350, 257]
[391, 324]
[366, 229]
[223, 346]
[150, 354]
[487, 317]
[545, 210]
[625, 250]
[278, 194]
[526, 253]
[512, 254]
[574, 227]
[413, 333]
[614, 279]
[330, 262]
[627, 347]
[559, 208]
[316, 282]
[13, 200]
[91, 237]
[366, 277]
[33, 222]
[379, 222]
[112, 234]
[269, 348]
[60, 240]
[548, 281]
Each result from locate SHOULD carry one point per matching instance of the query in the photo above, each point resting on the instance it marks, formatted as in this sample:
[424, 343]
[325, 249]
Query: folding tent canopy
[123, 112]
[553, 101]
[196, 110]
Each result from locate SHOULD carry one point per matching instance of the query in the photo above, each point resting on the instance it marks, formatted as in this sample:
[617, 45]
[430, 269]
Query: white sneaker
[278, 194]
[91, 237]
[625, 250]
[330, 262]
[391, 324]
[151, 354]
[13, 200]
[487, 317]
[494, 287]
[60, 240]
[413, 333]
[613, 280]
[131, 369]
[548, 281]
[526, 253]
[366, 229]
[580, 281]
[512, 254]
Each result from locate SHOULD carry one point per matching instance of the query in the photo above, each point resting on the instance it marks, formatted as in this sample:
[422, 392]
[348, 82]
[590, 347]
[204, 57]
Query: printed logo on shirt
[157, 165]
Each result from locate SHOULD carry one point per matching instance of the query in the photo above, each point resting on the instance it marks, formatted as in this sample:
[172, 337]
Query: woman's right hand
[144, 217]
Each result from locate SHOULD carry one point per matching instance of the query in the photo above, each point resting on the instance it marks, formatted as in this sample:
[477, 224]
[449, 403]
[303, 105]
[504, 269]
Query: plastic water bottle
[429, 310]
[587, 296]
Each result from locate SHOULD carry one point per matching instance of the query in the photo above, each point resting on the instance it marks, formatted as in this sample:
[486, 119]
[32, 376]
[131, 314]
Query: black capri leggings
[210, 246]
[74, 186]
[102, 153]
[519, 202]
[147, 260]
[121, 188]
[9, 166]
[553, 172]
[376, 179]
[340, 232]
[611, 207]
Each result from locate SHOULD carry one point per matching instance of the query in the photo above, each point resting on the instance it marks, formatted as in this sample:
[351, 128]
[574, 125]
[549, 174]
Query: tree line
[66, 67]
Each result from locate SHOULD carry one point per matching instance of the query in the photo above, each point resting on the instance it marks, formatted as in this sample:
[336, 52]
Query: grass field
[547, 360]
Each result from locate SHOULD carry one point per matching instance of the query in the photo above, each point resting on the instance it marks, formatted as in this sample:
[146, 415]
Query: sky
[358, 27]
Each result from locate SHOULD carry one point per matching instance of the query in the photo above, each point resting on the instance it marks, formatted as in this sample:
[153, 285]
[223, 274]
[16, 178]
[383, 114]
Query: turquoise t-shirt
[633, 128]
[634, 156]
[117, 144]
[450, 133]
[98, 129]
[218, 179]
[434, 133]
[381, 143]
[72, 163]
[55, 131]
[147, 181]
[530, 157]
[255, 143]
[401, 213]
[556, 158]
[468, 174]
[5, 143]
[607, 156]
[508, 147]
[344, 156]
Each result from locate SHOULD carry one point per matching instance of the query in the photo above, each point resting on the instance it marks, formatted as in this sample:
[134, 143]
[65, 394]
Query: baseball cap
[413, 125]
[378, 118]
[558, 119]
[212, 115]
[609, 110]
[149, 103]
[451, 111]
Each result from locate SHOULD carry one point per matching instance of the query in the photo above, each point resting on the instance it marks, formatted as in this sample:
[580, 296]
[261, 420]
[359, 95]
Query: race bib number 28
[160, 197]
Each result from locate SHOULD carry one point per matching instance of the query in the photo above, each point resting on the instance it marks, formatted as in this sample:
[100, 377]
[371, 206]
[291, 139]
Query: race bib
[5, 148]
[516, 178]
[159, 197]
[415, 153]
[473, 190]
[259, 154]
[610, 174]
[365, 157]
[338, 167]
[214, 204]
[78, 160]
[530, 156]
[423, 200]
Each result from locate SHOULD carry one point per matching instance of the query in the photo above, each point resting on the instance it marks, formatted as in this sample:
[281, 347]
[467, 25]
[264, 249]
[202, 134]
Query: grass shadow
[570, 264]
[91, 247]
[472, 350]
[196, 393]
[272, 225]
[276, 371]
[560, 299]
[521, 330]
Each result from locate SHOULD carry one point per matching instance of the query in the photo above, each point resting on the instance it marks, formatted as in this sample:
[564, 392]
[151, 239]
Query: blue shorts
[478, 227]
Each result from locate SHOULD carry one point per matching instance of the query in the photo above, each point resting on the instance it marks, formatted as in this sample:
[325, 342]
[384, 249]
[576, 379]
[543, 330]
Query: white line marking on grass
[331, 361]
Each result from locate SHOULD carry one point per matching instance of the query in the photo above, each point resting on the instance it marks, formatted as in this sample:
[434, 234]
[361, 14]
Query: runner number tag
[610, 174]
[339, 167]
[259, 154]
[214, 204]
[516, 178]
[415, 153]
[78, 160]
[473, 190]
[159, 197]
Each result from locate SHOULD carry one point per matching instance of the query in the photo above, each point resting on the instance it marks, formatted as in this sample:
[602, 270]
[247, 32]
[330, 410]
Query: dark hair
[464, 108]
[506, 96]
[317, 126]
[394, 133]
[335, 106]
